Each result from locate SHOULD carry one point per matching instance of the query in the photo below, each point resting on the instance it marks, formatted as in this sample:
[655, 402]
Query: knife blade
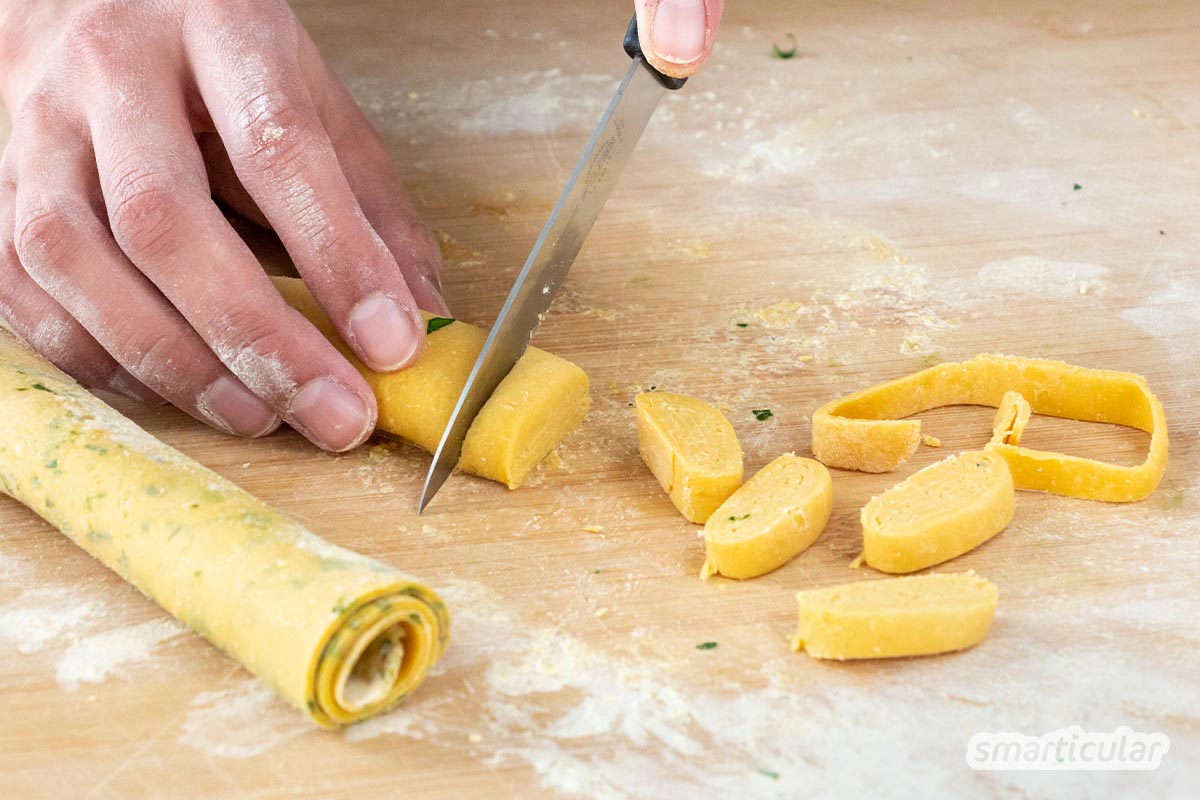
[561, 238]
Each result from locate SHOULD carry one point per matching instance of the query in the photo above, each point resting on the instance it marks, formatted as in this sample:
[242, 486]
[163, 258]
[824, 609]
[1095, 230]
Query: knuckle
[275, 133]
[143, 211]
[94, 35]
[243, 324]
[45, 235]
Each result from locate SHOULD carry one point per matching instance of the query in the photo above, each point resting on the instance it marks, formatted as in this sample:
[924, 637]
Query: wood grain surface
[923, 181]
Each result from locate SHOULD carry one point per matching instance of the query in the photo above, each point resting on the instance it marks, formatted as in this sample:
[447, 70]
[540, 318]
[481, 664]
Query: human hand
[677, 36]
[117, 264]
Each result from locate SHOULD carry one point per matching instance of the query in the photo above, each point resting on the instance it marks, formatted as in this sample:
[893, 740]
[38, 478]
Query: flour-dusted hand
[677, 36]
[117, 264]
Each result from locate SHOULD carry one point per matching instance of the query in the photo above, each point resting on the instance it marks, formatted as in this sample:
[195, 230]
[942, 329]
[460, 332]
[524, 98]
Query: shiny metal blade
[551, 258]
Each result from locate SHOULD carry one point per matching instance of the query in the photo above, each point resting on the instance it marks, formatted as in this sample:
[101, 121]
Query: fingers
[677, 36]
[160, 212]
[284, 157]
[48, 328]
[368, 168]
[224, 181]
[66, 249]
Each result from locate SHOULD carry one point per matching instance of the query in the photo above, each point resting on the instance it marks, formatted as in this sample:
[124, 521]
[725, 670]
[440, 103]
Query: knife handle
[633, 47]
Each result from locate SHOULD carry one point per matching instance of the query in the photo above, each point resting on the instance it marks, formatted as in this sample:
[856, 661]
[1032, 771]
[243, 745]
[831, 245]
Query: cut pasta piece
[911, 616]
[774, 517]
[691, 449]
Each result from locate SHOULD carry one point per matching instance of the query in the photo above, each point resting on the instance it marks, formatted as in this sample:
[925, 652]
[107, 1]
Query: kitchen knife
[555, 249]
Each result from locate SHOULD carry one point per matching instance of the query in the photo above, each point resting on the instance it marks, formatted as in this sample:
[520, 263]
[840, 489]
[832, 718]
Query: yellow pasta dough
[691, 449]
[538, 403]
[910, 616]
[938, 513]
[770, 520]
[864, 431]
[1012, 416]
[340, 635]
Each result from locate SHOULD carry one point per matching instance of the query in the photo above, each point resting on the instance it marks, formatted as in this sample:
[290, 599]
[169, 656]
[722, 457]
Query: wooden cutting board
[923, 181]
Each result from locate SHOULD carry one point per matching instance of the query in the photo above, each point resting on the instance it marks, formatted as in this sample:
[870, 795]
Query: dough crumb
[857, 562]
[600, 612]
[474, 738]
[593, 529]
[931, 441]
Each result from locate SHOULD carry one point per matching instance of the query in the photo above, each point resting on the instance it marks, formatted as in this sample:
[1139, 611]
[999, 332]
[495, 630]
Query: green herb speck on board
[436, 324]
[761, 414]
[780, 53]
[1076, 187]
[742, 324]
[707, 646]
[770, 773]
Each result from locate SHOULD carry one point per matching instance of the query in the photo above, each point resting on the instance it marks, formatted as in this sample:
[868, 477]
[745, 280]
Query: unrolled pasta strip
[865, 431]
[340, 635]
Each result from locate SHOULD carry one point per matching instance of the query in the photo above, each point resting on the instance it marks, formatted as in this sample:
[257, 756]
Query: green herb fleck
[89, 502]
[598, 570]
[97, 449]
[49, 503]
[98, 536]
[415, 618]
[739, 519]
[742, 324]
[1076, 187]
[770, 773]
[785, 54]
[198, 573]
[436, 324]
[311, 705]
[41, 388]
[654, 388]
[340, 608]
[1162, 233]
[152, 490]
[761, 414]
[22, 389]
[52, 464]
[707, 646]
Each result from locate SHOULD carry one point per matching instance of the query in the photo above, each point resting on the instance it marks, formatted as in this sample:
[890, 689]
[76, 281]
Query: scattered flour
[241, 722]
[94, 658]
[43, 616]
[1040, 277]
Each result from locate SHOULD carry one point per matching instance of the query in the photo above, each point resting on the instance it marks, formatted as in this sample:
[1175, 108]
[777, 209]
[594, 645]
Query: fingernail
[123, 383]
[236, 408]
[678, 30]
[435, 302]
[386, 337]
[331, 415]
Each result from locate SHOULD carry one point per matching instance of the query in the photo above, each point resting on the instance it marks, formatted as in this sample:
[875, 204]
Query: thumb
[678, 35]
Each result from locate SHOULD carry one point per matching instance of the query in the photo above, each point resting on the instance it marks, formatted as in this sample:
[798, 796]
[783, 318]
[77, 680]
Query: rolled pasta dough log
[538, 403]
[340, 635]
